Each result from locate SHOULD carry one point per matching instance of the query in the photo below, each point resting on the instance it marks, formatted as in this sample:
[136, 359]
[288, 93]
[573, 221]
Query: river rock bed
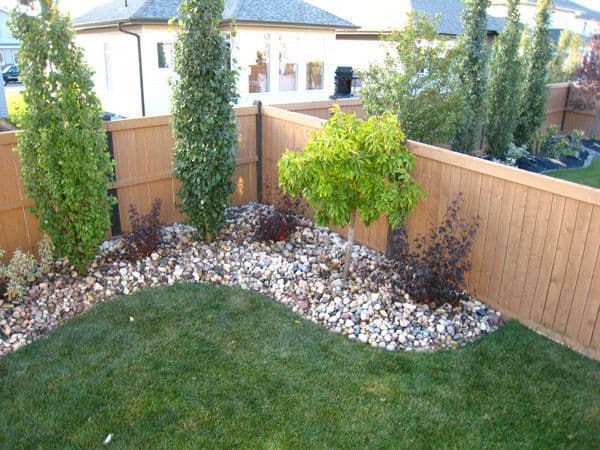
[303, 273]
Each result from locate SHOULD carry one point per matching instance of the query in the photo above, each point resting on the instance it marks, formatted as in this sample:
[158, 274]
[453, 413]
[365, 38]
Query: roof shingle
[295, 12]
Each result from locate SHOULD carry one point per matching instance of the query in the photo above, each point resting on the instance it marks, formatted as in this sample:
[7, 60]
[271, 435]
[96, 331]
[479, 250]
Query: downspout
[139, 51]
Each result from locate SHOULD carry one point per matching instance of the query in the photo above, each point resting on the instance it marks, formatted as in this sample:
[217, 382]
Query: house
[362, 46]
[282, 48]
[567, 15]
[9, 46]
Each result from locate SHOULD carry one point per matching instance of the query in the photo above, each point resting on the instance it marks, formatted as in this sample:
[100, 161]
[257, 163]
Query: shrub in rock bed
[279, 221]
[145, 236]
[353, 169]
[275, 225]
[552, 144]
[22, 270]
[434, 271]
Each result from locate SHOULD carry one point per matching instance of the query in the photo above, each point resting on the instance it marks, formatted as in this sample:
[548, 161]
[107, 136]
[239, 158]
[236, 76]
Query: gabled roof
[376, 16]
[586, 13]
[450, 11]
[284, 12]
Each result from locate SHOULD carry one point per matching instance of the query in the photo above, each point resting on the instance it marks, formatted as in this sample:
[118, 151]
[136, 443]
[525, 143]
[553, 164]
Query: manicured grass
[215, 367]
[589, 176]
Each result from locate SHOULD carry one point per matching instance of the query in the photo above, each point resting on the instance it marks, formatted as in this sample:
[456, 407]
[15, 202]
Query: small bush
[15, 103]
[434, 271]
[145, 236]
[513, 154]
[282, 201]
[275, 225]
[552, 144]
[24, 269]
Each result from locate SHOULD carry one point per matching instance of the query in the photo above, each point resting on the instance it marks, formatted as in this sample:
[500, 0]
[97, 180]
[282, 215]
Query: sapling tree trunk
[349, 243]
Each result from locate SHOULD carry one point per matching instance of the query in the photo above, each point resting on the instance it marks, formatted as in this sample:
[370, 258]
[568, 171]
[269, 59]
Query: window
[108, 67]
[16, 57]
[258, 80]
[165, 55]
[288, 68]
[1, 58]
[314, 75]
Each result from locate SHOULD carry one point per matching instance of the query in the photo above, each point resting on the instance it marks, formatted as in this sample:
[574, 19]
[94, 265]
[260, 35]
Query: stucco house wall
[113, 56]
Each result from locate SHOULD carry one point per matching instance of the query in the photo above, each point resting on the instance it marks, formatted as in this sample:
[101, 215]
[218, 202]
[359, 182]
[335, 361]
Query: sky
[77, 7]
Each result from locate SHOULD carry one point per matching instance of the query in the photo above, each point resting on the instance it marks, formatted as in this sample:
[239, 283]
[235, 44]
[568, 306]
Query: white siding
[156, 80]
[359, 53]
[123, 97]
[303, 46]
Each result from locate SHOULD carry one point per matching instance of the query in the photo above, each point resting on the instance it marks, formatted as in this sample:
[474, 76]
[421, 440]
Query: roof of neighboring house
[450, 11]
[376, 16]
[586, 13]
[284, 12]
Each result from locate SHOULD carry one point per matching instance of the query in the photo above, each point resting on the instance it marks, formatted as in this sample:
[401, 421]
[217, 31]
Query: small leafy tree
[533, 105]
[415, 81]
[352, 168]
[472, 74]
[587, 89]
[566, 59]
[203, 119]
[65, 166]
[504, 86]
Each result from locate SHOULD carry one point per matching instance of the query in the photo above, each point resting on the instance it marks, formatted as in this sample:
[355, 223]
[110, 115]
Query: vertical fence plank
[559, 267]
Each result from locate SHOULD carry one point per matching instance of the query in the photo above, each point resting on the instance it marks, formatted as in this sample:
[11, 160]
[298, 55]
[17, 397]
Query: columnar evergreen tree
[203, 119]
[566, 59]
[504, 85]
[533, 106]
[472, 73]
[65, 166]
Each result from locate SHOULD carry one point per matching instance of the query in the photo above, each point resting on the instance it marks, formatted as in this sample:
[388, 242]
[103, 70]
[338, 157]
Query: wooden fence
[559, 112]
[143, 156]
[536, 256]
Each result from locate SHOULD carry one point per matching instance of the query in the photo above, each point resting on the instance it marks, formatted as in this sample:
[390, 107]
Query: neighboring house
[282, 48]
[362, 46]
[566, 15]
[9, 46]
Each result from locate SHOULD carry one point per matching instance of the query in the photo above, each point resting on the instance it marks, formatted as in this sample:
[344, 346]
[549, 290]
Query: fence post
[115, 217]
[564, 114]
[259, 150]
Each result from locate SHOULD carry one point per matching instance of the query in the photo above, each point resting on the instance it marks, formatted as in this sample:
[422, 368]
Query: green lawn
[589, 176]
[214, 367]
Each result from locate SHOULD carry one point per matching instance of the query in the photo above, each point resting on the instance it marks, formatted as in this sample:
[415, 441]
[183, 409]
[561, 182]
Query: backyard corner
[389, 266]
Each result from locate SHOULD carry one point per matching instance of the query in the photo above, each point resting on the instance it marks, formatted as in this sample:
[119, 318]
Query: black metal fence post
[259, 151]
[115, 217]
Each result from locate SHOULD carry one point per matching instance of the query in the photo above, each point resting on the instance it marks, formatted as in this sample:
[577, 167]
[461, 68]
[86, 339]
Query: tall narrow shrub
[472, 73]
[533, 105]
[65, 166]
[416, 82]
[566, 59]
[504, 85]
[203, 119]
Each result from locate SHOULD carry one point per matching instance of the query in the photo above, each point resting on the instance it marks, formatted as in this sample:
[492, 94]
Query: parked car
[10, 73]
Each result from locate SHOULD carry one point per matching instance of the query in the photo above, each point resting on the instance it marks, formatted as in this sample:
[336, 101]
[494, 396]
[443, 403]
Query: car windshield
[7, 69]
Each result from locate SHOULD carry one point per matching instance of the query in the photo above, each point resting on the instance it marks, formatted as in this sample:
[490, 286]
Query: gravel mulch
[303, 273]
